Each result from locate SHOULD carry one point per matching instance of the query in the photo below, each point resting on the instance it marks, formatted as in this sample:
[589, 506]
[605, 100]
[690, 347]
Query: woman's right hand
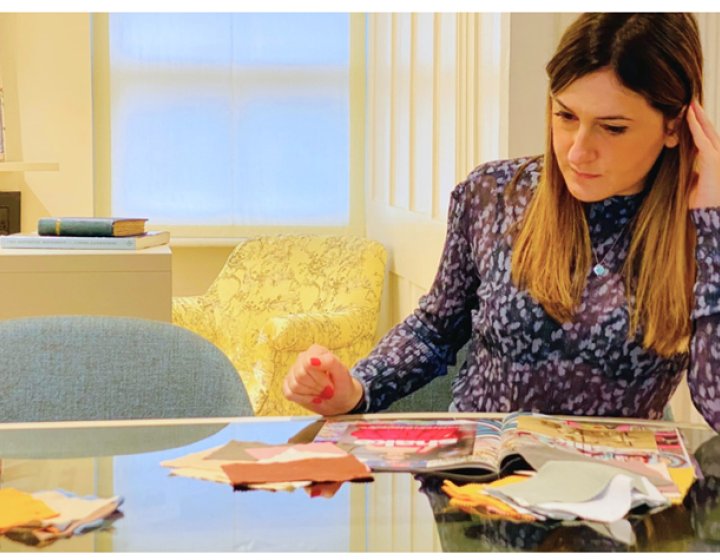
[320, 382]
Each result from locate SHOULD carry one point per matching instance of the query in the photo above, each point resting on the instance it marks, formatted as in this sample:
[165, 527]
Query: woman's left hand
[706, 192]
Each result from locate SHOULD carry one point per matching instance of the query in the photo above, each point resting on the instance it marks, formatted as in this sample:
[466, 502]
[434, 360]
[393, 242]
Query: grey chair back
[436, 396]
[107, 368]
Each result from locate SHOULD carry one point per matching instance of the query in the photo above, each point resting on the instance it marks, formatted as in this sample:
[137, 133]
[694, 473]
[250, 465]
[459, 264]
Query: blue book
[91, 227]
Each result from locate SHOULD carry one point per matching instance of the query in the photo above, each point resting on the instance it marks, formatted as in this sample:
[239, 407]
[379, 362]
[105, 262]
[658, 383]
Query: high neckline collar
[606, 216]
[615, 209]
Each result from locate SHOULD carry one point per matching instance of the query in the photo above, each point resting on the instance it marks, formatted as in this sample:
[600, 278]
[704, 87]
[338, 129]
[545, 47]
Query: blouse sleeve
[420, 348]
[704, 372]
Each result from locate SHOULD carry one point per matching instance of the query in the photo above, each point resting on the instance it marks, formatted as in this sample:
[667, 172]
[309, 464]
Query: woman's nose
[582, 149]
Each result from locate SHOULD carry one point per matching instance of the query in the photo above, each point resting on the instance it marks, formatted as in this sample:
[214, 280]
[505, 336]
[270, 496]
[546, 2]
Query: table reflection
[692, 526]
[396, 512]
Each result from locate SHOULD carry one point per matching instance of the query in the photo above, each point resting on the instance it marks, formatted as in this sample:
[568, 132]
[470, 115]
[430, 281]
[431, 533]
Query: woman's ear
[672, 128]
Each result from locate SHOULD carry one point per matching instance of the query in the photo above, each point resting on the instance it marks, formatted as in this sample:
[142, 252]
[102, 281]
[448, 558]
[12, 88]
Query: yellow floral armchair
[277, 295]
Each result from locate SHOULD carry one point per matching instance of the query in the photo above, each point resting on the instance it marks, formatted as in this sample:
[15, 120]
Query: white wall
[446, 92]
[45, 72]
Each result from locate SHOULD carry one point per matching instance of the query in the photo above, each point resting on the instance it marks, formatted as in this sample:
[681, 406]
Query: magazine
[485, 449]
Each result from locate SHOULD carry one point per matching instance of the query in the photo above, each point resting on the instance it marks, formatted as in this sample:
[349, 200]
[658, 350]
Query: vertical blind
[230, 119]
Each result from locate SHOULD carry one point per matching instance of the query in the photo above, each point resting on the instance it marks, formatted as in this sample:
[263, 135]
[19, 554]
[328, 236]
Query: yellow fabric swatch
[683, 477]
[19, 508]
[471, 496]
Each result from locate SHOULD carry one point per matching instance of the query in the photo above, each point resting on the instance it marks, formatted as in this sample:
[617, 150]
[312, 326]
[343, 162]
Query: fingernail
[315, 492]
[314, 361]
[327, 392]
[317, 400]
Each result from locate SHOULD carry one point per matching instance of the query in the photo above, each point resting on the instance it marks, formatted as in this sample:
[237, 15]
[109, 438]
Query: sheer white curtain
[230, 119]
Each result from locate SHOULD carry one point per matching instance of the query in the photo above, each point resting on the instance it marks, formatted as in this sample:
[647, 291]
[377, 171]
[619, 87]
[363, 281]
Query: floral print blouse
[519, 358]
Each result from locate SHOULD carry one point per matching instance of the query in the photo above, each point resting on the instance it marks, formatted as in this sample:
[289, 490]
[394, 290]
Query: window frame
[220, 235]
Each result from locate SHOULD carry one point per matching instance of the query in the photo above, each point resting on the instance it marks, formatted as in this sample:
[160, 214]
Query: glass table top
[398, 512]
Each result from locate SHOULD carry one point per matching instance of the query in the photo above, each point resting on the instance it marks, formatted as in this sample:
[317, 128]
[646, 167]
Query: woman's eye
[564, 115]
[615, 129]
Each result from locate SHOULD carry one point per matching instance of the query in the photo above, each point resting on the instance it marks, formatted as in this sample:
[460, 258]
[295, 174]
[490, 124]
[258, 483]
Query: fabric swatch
[75, 510]
[284, 453]
[567, 481]
[538, 455]
[570, 489]
[337, 469]
[472, 498]
[236, 451]
[20, 508]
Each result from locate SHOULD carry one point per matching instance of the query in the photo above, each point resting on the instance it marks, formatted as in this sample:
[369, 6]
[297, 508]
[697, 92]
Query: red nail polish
[315, 361]
[328, 392]
[317, 400]
[315, 492]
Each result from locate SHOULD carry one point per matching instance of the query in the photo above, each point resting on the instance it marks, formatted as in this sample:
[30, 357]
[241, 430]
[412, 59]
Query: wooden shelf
[14, 166]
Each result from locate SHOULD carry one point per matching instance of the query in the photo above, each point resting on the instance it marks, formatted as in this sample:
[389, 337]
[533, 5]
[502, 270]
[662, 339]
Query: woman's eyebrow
[604, 118]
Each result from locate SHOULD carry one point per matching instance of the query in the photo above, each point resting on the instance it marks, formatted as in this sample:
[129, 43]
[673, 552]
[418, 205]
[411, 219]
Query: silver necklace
[600, 269]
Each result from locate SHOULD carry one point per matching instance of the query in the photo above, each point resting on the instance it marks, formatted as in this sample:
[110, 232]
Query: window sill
[205, 241]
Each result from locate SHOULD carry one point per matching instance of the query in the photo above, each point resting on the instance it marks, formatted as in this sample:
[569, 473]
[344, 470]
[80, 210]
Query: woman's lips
[582, 175]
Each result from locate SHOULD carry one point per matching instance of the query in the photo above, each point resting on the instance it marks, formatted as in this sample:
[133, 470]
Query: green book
[91, 227]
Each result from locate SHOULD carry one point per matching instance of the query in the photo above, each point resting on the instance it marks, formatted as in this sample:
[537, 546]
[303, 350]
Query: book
[34, 241]
[91, 227]
[487, 449]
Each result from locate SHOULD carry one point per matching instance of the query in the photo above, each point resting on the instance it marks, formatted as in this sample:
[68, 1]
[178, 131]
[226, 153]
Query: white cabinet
[88, 282]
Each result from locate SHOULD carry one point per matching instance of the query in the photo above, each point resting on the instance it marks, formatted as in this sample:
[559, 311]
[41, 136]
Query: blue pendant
[599, 270]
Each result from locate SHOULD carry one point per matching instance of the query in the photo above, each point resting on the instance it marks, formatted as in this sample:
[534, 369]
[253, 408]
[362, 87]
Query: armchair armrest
[195, 314]
[349, 334]
[296, 332]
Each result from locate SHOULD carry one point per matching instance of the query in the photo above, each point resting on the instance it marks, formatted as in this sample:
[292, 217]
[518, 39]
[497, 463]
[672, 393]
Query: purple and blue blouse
[518, 357]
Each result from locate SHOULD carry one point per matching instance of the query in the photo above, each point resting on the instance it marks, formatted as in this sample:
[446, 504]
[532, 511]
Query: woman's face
[606, 137]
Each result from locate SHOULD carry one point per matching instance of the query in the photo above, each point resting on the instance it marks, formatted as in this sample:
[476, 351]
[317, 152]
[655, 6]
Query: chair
[277, 295]
[105, 368]
[436, 396]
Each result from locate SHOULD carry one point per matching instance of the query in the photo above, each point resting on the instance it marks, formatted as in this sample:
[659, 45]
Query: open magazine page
[509, 437]
[511, 440]
[483, 449]
[654, 448]
[486, 450]
[418, 445]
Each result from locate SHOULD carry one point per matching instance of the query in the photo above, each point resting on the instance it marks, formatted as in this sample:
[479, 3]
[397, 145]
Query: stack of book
[87, 233]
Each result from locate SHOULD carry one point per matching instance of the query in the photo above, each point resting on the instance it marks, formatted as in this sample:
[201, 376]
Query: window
[230, 120]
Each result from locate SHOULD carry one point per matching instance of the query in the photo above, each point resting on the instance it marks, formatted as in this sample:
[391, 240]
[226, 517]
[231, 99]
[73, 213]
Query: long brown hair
[658, 56]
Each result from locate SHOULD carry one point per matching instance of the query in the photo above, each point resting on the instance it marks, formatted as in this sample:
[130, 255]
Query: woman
[586, 281]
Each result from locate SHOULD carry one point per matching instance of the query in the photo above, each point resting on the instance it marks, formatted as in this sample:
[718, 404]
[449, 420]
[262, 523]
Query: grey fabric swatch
[566, 481]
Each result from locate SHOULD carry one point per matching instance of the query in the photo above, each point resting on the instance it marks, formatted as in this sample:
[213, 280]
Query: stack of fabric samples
[41, 518]
[561, 490]
[254, 465]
